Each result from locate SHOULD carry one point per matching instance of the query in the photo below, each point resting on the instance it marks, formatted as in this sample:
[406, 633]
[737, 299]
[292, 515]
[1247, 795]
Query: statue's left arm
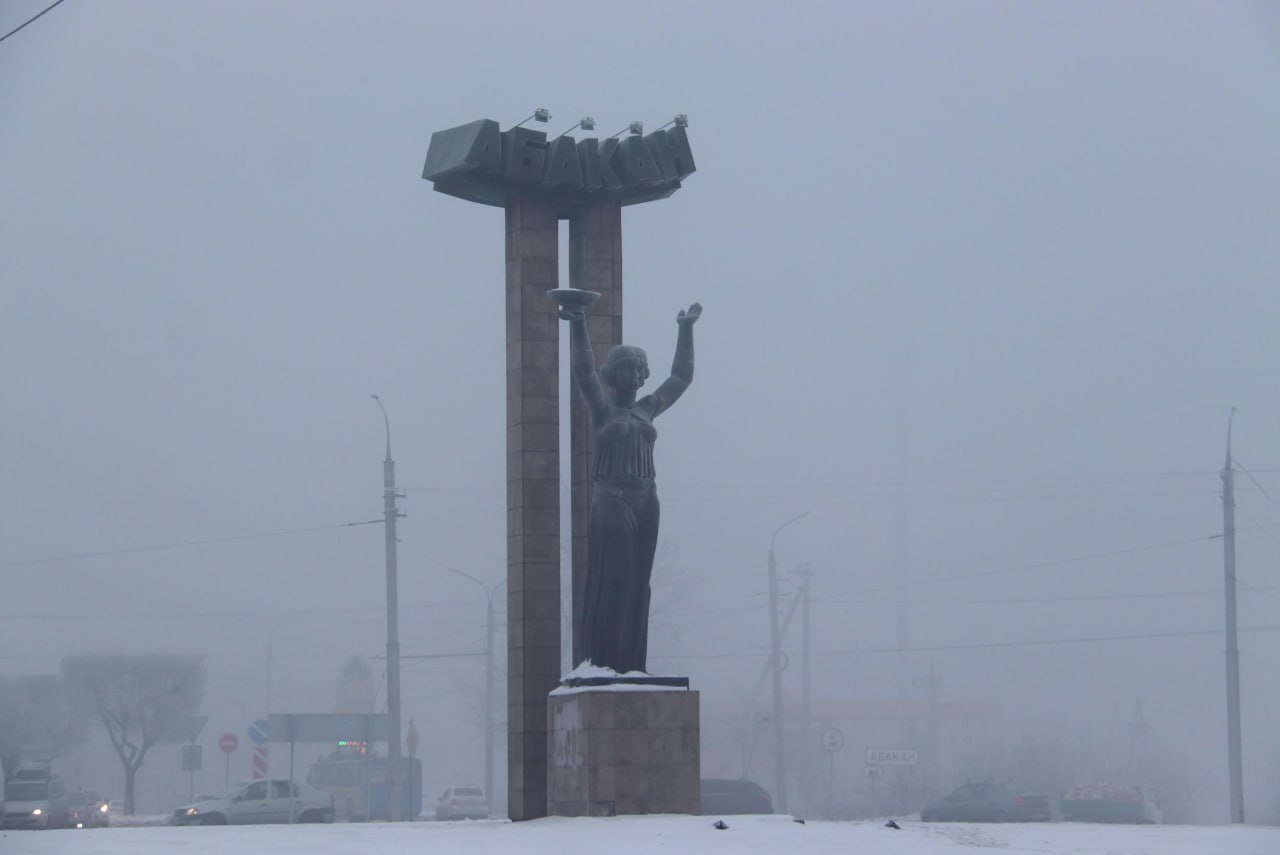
[682, 366]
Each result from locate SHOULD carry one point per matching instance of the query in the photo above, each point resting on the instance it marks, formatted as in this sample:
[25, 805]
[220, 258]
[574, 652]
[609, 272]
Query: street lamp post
[1234, 762]
[390, 514]
[775, 644]
[490, 627]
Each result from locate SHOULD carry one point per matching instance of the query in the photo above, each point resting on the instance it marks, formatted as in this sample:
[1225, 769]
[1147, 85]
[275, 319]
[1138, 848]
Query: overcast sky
[981, 281]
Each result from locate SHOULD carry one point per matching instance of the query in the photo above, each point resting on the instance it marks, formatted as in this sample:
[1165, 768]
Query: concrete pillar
[533, 499]
[595, 264]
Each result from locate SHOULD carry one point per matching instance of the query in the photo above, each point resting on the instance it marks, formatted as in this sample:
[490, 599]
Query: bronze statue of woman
[624, 504]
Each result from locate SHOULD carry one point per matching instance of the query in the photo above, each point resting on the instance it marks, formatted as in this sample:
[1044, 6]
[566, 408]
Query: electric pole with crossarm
[390, 514]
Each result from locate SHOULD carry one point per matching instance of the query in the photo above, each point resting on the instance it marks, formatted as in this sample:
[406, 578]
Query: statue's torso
[624, 444]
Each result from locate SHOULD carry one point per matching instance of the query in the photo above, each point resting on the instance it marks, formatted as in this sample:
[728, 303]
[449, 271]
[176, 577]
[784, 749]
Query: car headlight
[103, 808]
[37, 812]
[192, 811]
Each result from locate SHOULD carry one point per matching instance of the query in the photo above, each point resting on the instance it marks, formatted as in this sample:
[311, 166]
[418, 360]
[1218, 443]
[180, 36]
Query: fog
[982, 283]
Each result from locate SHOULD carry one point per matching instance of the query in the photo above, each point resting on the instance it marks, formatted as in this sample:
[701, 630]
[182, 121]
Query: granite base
[622, 750]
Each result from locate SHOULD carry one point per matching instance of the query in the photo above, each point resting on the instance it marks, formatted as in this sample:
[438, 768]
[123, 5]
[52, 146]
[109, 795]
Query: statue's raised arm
[682, 365]
[582, 360]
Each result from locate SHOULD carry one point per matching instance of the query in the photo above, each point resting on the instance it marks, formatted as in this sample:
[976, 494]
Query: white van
[35, 798]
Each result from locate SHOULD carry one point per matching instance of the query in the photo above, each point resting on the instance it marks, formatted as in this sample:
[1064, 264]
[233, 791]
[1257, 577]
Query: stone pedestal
[622, 750]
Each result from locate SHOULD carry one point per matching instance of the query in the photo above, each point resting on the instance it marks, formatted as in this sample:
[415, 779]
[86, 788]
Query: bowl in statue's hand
[574, 298]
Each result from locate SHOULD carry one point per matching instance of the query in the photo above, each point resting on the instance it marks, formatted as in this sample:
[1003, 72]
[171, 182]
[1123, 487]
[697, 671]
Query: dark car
[724, 796]
[1111, 803]
[987, 801]
[91, 809]
[85, 809]
[77, 811]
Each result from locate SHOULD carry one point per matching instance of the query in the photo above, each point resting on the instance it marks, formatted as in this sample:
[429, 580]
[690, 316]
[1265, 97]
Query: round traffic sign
[832, 739]
[258, 731]
[228, 742]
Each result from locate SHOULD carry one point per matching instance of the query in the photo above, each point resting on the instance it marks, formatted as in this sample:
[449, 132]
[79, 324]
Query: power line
[28, 21]
[1040, 565]
[836, 500]
[1013, 600]
[1246, 471]
[51, 560]
[323, 614]
[1047, 479]
[1265, 529]
[756, 652]
[690, 616]
[1049, 642]
[1265, 590]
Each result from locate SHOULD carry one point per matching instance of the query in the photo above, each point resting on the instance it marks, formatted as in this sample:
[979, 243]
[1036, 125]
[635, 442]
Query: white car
[462, 803]
[258, 802]
[35, 798]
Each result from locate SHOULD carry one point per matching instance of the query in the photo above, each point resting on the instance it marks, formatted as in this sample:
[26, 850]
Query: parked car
[462, 803]
[99, 810]
[988, 801]
[1111, 803]
[725, 796]
[34, 797]
[258, 802]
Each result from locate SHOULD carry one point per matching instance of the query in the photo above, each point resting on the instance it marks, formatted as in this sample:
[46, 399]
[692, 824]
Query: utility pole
[390, 514]
[908, 732]
[488, 706]
[935, 680]
[805, 572]
[269, 674]
[1138, 730]
[490, 630]
[1233, 651]
[932, 682]
[775, 646]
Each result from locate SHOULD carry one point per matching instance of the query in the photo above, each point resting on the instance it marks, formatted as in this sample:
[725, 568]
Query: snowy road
[668, 835]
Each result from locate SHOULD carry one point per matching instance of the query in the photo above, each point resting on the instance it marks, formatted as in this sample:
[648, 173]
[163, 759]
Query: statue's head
[625, 368]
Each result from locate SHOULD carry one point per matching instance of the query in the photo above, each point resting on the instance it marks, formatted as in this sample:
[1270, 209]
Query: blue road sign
[258, 731]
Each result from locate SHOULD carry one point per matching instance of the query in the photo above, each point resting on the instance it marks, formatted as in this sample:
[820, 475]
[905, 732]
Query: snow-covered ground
[669, 835]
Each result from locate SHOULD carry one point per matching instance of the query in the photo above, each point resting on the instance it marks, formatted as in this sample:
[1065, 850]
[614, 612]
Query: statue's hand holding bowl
[690, 315]
[573, 302]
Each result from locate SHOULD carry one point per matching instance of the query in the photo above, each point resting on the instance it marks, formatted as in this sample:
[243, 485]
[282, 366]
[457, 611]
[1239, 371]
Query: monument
[587, 182]
[622, 741]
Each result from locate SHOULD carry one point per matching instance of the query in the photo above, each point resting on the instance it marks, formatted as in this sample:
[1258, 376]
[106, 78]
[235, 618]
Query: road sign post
[192, 762]
[258, 732]
[832, 741]
[191, 758]
[228, 743]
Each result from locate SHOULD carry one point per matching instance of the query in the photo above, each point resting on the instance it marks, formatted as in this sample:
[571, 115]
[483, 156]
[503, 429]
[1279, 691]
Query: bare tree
[139, 699]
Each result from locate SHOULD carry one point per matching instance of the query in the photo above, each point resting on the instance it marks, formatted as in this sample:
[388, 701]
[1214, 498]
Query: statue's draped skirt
[624, 535]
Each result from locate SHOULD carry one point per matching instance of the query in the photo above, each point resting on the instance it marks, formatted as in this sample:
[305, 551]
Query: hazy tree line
[138, 700]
